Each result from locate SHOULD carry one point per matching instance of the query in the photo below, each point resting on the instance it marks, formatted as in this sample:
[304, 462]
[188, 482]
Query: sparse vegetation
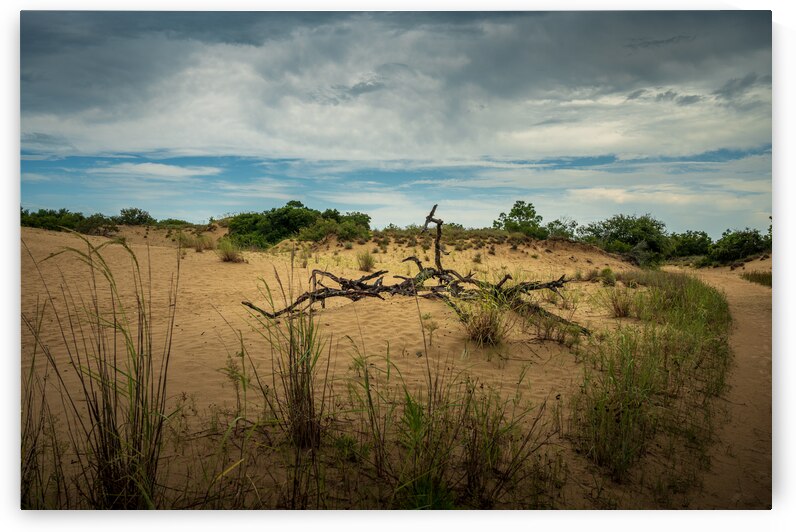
[300, 434]
[763, 278]
[486, 321]
[654, 380]
[365, 261]
[228, 251]
[116, 415]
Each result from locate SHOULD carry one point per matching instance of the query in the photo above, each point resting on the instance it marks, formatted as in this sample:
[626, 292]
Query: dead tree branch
[450, 285]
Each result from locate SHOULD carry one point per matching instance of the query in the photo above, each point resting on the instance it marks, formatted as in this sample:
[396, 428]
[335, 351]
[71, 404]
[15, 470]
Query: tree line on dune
[640, 238]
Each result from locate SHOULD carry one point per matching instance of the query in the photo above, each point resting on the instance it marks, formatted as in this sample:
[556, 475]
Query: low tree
[689, 244]
[642, 238]
[564, 227]
[522, 218]
[134, 216]
[735, 245]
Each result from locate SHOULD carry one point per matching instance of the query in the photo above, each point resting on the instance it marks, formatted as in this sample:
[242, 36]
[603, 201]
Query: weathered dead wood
[450, 285]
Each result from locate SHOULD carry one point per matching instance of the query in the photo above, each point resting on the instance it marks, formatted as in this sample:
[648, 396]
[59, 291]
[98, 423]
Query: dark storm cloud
[738, 86]
[83, 60]
[545, 53]
[635, 44]
[689, 100]
[636, 94]
[390, 85]
[665, 96]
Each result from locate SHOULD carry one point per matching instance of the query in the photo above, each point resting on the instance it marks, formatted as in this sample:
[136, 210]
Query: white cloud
[258, 188]
[31, 177]
[368, 89]
[154, 171]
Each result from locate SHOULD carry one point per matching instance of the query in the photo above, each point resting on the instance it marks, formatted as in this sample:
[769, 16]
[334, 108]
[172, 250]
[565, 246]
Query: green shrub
[96, 224]
[763, 278]
[51, 219]
[643, 238]
[689, 244]
[736, 245]
[228, 251]
[295, 220]
[365, 261]
[608, 277]
[134, 216]
[522, 218]
[562, 228]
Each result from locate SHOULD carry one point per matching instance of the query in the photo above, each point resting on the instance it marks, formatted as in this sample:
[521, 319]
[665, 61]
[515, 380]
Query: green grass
[656, 379]
[228, 251]
[486, 321]
[366, 261]
[115, 416]
[763, 278]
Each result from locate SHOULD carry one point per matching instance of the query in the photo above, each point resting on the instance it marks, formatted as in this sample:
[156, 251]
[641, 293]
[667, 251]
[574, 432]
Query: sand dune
[211, 323]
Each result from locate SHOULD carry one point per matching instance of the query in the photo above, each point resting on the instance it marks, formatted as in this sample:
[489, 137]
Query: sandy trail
[740, 473]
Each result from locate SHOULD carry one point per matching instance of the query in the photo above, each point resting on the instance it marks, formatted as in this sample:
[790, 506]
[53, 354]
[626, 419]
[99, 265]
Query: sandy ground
[211, 323]
[740, 474]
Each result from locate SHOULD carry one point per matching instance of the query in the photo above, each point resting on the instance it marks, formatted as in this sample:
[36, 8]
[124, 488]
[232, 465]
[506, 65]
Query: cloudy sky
[586, 115]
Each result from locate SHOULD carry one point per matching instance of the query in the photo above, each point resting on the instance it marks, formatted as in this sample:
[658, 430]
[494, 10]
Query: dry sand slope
[740, 473]
[210, 316]
[211, 324]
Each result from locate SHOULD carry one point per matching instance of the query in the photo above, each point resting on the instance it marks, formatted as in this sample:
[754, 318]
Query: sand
[740, 473]
[211, 323]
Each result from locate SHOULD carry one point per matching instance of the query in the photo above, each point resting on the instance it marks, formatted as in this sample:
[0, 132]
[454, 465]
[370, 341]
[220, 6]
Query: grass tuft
[763, 278]
[365, 261]
[228, 251]
[115, 416]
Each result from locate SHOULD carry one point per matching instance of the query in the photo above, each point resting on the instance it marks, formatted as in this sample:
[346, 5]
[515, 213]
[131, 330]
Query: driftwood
[450, 287]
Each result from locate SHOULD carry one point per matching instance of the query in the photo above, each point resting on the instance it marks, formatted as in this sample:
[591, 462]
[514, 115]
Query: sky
[583, 114]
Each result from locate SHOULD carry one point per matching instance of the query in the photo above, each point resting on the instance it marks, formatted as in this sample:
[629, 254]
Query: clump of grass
[454, 443]
[657, 379]
[298, 349]
[613, 411]
[116, 415]
[608, 277]
[477, 258]
[202, 243]
[486, 322]
[763, 278]
[620, 301]
[365, 261]
[228, 251]
[592, 275]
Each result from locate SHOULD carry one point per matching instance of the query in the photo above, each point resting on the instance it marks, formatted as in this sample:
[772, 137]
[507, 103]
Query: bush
[295, 220]
[365, 261]
[96, 224]
[608, 277]
[228, 251]
[173, 223]
[736, 245]
[522, 219]
[689, 244]
[134, 216]
[643, 238]
[562, 228]
[51, 219]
